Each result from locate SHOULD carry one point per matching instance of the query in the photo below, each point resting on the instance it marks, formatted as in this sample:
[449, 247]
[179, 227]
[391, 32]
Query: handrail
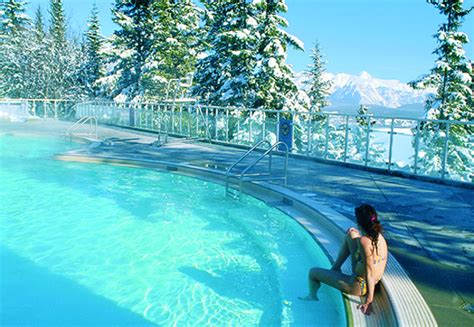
[246, 154]
[269, 151]
[244, 172]
[83, 120]
[307, 142]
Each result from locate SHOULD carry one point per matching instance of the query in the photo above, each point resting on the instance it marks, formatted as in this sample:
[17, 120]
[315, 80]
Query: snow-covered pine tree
[38, 26]
[62, 70]
[452, 77]
[224, 73]
[274, 84]
[57, 29]
[319, 88]
[176, 33]
[357, 140]
[132, 41]
[13, 47]
[93, 67]
[240, 35]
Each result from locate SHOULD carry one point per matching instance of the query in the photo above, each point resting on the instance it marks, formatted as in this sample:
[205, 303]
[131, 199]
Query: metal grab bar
[82, 121]
[257, 177]
[269, 151]
[247, 154]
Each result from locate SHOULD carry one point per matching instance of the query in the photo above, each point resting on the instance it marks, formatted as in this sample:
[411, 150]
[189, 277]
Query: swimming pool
[102, 244]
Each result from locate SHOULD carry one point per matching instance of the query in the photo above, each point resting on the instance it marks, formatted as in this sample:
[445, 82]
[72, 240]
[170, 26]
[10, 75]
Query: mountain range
[383, 97]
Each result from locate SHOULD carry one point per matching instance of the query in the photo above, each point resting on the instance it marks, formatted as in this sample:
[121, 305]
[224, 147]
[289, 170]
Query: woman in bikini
[368, 254]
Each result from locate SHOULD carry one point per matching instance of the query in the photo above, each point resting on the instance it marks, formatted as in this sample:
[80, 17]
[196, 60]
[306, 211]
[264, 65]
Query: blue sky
[390, 39]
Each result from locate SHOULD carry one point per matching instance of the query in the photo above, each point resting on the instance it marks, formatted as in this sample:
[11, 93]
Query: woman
[368, 254]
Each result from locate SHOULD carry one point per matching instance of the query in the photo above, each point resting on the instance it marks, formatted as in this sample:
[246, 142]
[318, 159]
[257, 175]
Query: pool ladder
[92, 120]
[245, 175]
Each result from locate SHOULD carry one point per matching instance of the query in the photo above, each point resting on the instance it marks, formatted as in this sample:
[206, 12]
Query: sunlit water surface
[107, 245]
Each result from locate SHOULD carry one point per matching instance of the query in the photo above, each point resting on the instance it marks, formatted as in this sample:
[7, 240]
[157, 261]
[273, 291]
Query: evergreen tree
[64, 58]
[38, 26]
[274, 83]
[14, 21]
[93, 67]
[133, 43]
[238, 86]
[175, 45]
[57, 29]
[13, 47]
[318, 90]
[453, 79]
[224, 75]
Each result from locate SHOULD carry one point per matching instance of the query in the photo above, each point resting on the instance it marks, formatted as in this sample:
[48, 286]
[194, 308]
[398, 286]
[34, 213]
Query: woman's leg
[349, 247]
[334, 277]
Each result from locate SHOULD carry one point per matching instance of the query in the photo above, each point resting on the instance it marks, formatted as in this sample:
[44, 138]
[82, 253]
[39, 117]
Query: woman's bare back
[376, 258]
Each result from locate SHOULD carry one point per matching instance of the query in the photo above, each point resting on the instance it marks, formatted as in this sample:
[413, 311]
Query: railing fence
[412, 146]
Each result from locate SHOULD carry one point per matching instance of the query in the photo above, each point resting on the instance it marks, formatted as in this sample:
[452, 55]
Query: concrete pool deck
[429, 226]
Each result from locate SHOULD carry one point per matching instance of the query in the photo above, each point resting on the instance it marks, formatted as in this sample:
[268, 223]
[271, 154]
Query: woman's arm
[367, 253]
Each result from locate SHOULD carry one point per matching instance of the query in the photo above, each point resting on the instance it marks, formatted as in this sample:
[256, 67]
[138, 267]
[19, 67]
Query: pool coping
[398, 303]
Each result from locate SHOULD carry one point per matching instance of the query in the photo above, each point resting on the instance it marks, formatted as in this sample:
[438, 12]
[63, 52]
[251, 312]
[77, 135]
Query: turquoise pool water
[85, 244]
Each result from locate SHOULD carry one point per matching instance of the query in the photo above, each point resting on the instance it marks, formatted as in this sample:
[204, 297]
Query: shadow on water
[242, 284]
[33, 296]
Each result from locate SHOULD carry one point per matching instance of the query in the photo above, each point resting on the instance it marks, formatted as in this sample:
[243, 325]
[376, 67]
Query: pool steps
[397, 303]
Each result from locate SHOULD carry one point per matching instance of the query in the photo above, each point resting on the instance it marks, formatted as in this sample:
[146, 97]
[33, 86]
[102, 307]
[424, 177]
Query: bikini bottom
[362, 285]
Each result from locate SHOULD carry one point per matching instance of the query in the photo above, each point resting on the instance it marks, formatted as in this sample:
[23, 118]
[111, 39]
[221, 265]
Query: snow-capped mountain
[350, 90]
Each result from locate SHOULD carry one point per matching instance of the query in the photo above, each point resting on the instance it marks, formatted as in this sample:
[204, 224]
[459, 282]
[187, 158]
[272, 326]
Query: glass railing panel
[403, 145]
[317, 141]
[431, 142]
[356, 140]
[459, 163]
[335, 144]
[379, 142]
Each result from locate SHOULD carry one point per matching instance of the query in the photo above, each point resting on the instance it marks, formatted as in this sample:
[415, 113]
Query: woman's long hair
[367, 218]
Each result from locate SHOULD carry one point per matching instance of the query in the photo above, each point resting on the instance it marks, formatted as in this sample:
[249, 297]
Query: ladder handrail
[245, 171]
[269, 151]
[83, 120]
[246, 154]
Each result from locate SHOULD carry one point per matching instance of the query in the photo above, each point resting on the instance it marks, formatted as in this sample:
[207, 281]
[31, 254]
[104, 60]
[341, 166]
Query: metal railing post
[445, 152]
[238, 127]
[278, 127]
[197, 120]
[346, 138]
[188, 119]
[216, 118]
[250, 126]
[308, 128]
[45, 110]
[367, 140]
[172, 118]
[326, 146]
[153, 124]
[417, 146]
[227, 125]
[293, 133]
[390, 148]
[207, 134]
[180, 120]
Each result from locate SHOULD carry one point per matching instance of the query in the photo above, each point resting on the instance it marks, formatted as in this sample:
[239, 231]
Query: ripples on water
[141, 246]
